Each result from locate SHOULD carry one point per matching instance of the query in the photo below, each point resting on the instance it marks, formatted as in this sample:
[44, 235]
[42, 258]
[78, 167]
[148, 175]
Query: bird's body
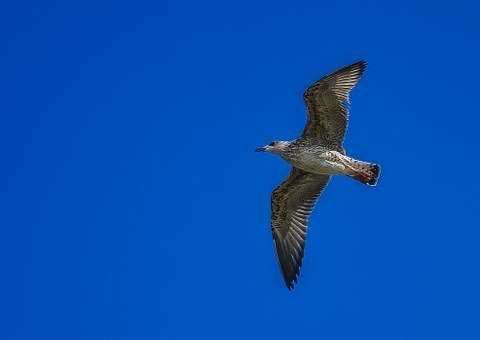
[314, 157]
[317, 159]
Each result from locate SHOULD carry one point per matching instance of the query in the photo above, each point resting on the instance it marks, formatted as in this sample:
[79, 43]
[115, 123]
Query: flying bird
[315, 156]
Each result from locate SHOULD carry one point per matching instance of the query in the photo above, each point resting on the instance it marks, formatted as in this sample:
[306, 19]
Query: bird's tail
[364, 172]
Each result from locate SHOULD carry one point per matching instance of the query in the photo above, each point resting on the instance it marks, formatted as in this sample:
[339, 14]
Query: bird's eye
[271, 144]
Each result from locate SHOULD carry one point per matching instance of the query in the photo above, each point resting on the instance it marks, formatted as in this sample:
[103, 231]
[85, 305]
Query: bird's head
[278, 147]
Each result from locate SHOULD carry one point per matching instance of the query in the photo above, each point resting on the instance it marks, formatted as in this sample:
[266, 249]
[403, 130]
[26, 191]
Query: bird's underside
[315, 156]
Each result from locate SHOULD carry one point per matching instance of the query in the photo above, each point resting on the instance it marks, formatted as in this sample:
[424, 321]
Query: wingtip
[290, 286]
[362, 63]
[291, 282]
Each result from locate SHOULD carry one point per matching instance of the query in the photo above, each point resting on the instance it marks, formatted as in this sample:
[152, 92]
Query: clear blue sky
[134, 207]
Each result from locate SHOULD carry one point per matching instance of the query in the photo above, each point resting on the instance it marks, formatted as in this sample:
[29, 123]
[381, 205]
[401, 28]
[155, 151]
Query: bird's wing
[327, 101]
[292, 203]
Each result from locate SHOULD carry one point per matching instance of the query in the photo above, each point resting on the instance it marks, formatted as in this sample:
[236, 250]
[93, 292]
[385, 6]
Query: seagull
[315, 156]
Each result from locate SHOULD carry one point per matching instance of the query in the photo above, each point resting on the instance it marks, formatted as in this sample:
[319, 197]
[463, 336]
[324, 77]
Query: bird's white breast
[325, 162]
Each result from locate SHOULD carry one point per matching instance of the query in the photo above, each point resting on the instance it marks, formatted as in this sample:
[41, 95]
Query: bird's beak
[262, 149]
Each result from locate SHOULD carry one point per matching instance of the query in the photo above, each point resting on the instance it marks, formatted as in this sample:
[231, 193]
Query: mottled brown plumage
[326, 102]
[292, 204]
[315, 156]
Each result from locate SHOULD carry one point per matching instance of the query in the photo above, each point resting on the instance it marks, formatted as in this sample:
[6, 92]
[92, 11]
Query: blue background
[134, 207]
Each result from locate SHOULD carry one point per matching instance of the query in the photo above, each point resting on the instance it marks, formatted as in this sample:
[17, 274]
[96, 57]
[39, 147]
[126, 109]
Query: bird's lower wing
[292, 203]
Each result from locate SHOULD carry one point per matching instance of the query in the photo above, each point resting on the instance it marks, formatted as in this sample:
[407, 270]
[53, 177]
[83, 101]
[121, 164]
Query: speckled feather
[292, 204]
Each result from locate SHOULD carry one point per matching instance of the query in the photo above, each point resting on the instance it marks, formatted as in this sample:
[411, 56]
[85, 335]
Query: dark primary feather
[326, 102]
[292, 203]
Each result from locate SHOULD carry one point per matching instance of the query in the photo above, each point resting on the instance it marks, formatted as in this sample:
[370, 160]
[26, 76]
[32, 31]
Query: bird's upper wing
[292, 203]
[326, 102]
